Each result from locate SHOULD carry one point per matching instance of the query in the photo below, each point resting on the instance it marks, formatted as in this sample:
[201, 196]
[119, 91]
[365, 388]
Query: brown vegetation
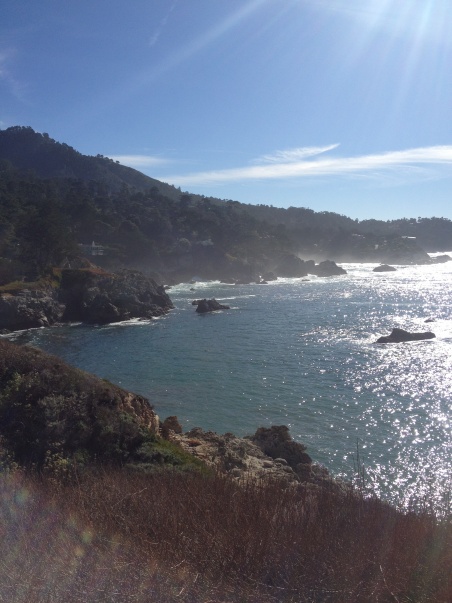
[114, 535]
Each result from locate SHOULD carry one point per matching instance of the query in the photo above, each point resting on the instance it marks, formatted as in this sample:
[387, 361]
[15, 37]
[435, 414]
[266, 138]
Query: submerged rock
[400, 336]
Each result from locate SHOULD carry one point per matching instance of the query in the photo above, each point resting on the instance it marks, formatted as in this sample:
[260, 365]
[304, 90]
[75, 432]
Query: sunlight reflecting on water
[300, 353]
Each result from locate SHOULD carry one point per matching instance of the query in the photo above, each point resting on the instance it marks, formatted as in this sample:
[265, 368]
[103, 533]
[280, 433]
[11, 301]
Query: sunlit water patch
[302, 353]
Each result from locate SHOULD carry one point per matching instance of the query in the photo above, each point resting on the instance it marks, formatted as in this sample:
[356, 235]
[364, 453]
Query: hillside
[55, 203]
[28, 150]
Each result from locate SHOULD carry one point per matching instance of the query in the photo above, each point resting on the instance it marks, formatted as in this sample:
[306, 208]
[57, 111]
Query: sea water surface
[301, 353]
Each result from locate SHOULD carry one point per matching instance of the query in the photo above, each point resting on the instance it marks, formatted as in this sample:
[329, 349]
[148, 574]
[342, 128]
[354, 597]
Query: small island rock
[400, 335]
[384, 268]
[208, 305]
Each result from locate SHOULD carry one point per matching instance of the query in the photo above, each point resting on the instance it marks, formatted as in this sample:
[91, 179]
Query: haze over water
[299, 353]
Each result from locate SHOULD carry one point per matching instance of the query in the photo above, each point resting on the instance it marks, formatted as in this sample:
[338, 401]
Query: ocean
[301, 353]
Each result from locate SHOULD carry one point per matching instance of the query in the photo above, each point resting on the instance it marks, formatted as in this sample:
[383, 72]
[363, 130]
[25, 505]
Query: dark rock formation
[98, 297]
[170, 424]
[399, 336]
[327, 268]
[384, 268]
[291, 266]
[269, 276]
[277, 443]
[30, 309]
[440, 259]
[208, 305]
[88, 295]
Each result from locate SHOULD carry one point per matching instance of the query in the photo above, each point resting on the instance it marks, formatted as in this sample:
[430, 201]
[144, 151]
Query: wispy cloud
[158, 31]
[292, 164]
[7, 77]
[294, 155]
[139, 161]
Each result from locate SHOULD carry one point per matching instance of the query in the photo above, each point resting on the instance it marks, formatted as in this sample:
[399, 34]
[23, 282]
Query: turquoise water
[299, 353]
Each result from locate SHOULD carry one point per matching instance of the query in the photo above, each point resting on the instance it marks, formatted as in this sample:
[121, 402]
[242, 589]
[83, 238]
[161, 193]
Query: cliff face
[85, 295]
[102, 297]
[50, 411]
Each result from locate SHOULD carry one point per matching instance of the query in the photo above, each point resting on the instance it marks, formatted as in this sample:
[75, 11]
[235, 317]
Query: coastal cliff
[88, 295]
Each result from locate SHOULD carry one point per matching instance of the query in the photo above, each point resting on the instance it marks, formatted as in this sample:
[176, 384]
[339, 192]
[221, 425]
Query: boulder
[269, 276]
[384, 268]
[327, 268]
[277, 443]
[170, 424]
[208, 305]
[400, 336]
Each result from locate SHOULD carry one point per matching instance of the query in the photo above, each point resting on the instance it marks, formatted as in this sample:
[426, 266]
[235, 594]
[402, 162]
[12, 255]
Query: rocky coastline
[53, 413]
[88, 295]
[269, 454]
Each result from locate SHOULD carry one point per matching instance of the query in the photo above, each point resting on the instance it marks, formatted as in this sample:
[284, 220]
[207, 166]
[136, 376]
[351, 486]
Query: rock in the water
[327, 268]
[400, 335]
[208, 305]
[384, 268]
[440, 259]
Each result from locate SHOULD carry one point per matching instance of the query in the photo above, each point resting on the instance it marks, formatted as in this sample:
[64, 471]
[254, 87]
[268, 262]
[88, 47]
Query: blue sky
[336, 105]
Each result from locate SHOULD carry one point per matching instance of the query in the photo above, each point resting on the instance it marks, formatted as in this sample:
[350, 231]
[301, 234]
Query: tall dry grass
[112, 535]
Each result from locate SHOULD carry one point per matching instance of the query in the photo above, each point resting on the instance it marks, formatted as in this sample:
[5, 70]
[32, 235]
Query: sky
[334, 105]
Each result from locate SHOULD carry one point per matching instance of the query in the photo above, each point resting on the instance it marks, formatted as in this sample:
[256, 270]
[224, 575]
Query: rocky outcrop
[291, 266]
[208, 305]
[400, 336]
[269, 454]
[276, 442]
[384, 268]
[29, 309]
[100, 297]
[87, 295]
[441, 259]
[327, 268]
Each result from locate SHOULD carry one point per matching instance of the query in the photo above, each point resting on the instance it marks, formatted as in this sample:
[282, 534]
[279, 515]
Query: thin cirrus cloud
[293, 163]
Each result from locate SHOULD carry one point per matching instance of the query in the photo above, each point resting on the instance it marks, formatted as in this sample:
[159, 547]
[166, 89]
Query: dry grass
[113, 535]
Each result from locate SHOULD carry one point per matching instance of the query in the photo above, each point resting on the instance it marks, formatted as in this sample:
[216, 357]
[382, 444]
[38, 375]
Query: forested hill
[55, 202]
[26, 149]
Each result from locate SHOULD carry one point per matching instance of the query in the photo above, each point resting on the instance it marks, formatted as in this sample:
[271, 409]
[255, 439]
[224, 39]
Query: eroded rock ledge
[270, 453]
[86, 295]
